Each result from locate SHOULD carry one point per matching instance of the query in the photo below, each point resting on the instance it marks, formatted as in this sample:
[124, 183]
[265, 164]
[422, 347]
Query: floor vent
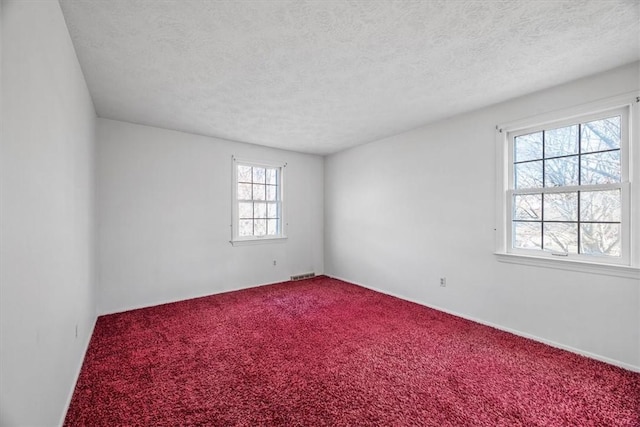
[303, 276]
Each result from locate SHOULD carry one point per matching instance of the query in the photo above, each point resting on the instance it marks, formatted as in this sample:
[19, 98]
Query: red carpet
[323, 352]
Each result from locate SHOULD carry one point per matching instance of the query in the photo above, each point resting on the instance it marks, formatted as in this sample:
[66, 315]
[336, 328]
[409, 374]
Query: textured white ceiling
[321, 76]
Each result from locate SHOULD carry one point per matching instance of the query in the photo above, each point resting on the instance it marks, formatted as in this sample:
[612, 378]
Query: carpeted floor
[322, 352]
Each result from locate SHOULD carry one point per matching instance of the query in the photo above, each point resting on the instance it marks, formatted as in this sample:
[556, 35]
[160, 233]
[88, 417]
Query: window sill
[571, 265]
[258, 241]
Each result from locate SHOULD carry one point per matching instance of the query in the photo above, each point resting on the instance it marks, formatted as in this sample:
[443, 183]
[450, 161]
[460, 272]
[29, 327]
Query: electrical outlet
[443, 282]
[274, 262]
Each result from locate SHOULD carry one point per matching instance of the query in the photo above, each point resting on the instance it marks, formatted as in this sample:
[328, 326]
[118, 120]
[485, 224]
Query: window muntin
[257, 201]
[568, 188]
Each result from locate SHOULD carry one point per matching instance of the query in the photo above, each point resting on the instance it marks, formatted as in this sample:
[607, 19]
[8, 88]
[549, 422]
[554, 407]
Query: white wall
[46, 199]
[402, 212]
[164, 215]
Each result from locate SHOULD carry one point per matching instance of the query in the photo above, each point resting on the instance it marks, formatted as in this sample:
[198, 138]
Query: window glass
[258, 204]
[566, 192]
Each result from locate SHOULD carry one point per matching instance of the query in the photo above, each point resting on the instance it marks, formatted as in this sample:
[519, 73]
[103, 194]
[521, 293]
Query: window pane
[528, 147]
[258, 175]
[527, 206]
[259, 210]
[272, 192]
[272, 210]
[600, 239]
[245, 210]
[272, 176]
[601, 135]
[258, 192]
[561, 141]
[561, 237]
[244, 191]
[244, 173]
[527, 235]
[600, 205]
[528, 175]
[600, 168]
[561, 172]
[259, 227]
[561, 207]
[246, 228]
[272, 227]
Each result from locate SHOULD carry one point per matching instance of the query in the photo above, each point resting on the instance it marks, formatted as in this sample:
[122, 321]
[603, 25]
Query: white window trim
[236, 240]
[626, 267]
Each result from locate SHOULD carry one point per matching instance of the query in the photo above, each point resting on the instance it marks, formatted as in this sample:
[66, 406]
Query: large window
[566, 187]
[257, 201]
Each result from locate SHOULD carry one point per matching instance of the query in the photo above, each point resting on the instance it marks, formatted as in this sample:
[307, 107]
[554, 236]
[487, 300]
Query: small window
[257, 201]
[566, 187]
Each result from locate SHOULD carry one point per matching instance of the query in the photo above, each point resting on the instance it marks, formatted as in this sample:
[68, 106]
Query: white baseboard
[184, 298]
[78, 370]
[588, 354]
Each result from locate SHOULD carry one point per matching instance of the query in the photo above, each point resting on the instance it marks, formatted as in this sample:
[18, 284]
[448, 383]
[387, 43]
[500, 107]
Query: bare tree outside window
[584, 219]
[258, 201]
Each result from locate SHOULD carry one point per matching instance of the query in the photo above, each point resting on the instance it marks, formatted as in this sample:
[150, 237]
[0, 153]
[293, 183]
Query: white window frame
[236, 239]
[628, 265]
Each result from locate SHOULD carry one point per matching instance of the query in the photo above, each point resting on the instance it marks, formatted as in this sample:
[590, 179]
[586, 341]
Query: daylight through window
[568, 192]
[257, 201]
